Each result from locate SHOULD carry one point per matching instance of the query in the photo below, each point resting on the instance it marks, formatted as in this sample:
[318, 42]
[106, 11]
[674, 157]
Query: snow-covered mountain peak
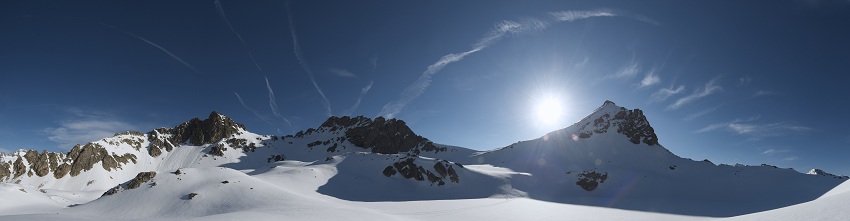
[630, 122]
[820, 172]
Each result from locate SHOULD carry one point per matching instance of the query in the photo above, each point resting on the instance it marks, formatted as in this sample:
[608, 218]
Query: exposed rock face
[199, 132]
[385, 136]
[158, 141]
[589, 180]
[61, 170]
[276, 158]
[41, 165]
[136, 182]
[218, 150]
[409, 170]
[5, 170]
[195, 132]
[820, 172]
[19, 167]
[84, 158]
[631, 123]
[335, 123]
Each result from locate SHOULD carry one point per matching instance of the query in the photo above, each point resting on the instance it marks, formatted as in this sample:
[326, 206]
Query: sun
[548, 110]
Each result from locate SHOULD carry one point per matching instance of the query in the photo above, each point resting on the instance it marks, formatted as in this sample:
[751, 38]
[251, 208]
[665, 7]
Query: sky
[747, 82]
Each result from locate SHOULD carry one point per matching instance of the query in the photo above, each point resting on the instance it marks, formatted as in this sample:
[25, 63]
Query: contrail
[221, 13]
[500, 29]
[303, 62]
[258, 114]
[360, 98]
[272, 102]
[418, 87]
[250, 109]
[155, 45]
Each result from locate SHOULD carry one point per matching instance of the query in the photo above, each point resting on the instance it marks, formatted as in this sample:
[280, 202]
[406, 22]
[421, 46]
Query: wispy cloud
[628, 71]
[303, 62]
[360, 98]
[500, 29]
[578, 15]
[583, 62]
[744, 81]
[760, 93]
[710, 88]
[342, 72]
[178, 59]
[374, 62]
[771, 151]
[87, 126]
[664, 93]
[700, 114]
[750, 129]
[791, 158]
[650, 79]
[223, 16]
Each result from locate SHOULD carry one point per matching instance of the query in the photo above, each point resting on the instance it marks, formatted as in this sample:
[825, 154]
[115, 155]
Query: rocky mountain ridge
[610, 149]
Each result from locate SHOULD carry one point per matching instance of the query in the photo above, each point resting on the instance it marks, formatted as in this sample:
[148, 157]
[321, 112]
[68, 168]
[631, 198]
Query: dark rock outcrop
[85, 157]
[5, 170]
[276, 158]
[631, 123]
[136, 182]
[195, 132]
[589, 180]
[19, 167]
[61, 170]
[387, 136]
[199, 132]
[409, 170]
[218, 150]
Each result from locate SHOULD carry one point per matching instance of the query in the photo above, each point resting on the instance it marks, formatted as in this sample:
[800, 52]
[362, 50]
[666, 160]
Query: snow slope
[608, 166]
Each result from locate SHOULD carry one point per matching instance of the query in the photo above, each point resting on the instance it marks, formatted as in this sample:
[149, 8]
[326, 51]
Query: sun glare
[548, 110]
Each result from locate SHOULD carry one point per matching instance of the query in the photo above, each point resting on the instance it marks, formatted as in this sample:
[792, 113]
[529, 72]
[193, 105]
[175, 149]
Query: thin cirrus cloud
[744, 81]
[360, 98]
[760, 93]
[791, 158]
[771, 152]
[224, 16]
[750, 129]
[500, 29]
[650, 79]
[710, 88]
[87, 126]
[303, 62]
[173, 56]
[700, 114]
[664, 93]
[342, 72]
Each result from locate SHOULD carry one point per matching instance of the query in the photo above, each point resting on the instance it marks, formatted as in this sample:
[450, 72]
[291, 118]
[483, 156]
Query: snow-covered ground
[322, 175]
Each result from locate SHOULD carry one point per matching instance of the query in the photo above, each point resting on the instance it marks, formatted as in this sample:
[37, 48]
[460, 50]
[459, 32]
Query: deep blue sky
[735, 81]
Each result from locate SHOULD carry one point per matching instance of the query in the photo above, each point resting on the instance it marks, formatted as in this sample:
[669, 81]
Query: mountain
[369, 168]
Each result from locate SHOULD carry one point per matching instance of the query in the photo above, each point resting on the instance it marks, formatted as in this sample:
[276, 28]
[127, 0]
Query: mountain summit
[611, 158]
